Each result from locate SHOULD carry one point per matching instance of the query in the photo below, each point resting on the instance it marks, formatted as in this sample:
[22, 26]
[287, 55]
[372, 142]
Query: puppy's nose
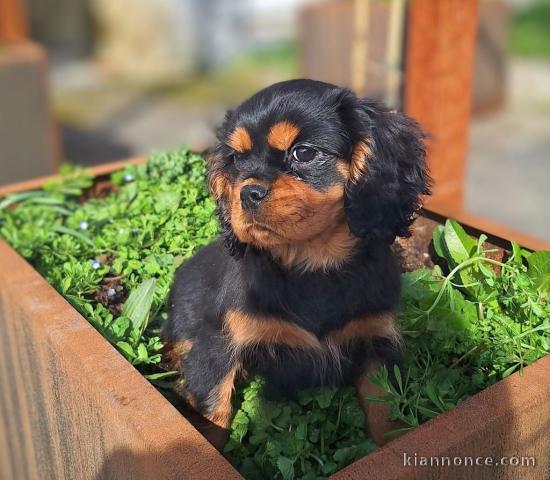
[252, 195]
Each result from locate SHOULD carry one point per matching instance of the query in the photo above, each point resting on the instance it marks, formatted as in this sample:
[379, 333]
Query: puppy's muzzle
[252, 196]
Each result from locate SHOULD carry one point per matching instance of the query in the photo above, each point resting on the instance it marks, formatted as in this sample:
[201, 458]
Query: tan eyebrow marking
[240, 140]
[282, 135]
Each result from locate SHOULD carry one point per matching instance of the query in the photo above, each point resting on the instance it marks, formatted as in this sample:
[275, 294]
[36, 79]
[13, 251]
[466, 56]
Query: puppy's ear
[221, 188]
[387, 173]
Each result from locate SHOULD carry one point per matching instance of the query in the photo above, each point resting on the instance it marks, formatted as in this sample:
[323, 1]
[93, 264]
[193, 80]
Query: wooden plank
[438, 86]
[13, 21]
[72, 407]
[97, 171]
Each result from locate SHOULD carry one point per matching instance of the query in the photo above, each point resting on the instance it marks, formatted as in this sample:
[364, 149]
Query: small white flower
[96, 264]
[111, 292]
[128, 177]
[84, 225]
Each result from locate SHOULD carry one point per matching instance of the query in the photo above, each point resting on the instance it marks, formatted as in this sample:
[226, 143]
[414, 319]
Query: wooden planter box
[72, 407]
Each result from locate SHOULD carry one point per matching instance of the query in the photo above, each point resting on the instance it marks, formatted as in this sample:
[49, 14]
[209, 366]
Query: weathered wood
[13, 21]
[97, 171]
[72, 407]
[438, 87]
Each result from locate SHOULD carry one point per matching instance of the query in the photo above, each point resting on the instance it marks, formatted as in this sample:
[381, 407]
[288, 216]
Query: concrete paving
[509, 163]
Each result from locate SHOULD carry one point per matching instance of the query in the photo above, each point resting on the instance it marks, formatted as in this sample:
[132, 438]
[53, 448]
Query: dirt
[416, 251]
[111, 293]
[100, 189]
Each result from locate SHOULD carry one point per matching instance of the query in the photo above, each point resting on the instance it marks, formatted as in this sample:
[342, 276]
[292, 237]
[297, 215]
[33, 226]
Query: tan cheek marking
[289, 194]
[282, 135]
[220, 186]
[240, 140]
[247, 330]
[358, 165]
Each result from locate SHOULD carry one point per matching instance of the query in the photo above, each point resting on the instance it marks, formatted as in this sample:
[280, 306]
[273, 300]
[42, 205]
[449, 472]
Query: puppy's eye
[304, 154]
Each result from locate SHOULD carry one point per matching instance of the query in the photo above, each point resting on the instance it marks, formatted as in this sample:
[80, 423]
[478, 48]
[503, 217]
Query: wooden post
[438, 88]
[29, 140]
[13, 21]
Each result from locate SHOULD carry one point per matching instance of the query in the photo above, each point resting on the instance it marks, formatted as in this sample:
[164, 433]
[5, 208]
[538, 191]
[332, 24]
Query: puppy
[312, 186]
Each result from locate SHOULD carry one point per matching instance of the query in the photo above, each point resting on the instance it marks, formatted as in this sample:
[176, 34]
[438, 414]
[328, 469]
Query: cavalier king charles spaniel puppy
[312, 185]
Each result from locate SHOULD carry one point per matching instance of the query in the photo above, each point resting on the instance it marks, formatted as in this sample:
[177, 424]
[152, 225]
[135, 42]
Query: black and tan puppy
[313, 185]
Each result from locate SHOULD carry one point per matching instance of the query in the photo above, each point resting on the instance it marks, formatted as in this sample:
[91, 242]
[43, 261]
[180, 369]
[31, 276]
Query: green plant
[114, 259]
[314, 436]
[469, 328]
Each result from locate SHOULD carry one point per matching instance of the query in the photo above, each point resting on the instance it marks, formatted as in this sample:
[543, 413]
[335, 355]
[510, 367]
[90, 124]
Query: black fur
[382, 206]
[250, 279]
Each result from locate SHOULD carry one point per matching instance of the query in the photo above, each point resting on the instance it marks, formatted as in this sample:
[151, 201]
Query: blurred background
[93, 81]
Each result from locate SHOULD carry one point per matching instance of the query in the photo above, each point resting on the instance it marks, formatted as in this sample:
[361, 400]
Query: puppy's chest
[319, 314]
[317, 304]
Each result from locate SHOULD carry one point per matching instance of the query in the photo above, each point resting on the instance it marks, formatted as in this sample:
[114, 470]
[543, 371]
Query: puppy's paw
[379, 423]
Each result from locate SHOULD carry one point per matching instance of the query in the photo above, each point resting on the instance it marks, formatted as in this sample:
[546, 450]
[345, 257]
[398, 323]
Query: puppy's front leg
[210, 372]
[386, 353]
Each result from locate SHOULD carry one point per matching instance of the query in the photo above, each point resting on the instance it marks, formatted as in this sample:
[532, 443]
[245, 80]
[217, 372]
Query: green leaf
[324, 397]
[167, 200]
[431, 391]
[510, 370]
[438, 241]
[19, 197]
[138, 305]
[343, 454]
[69, 231]
[397, 374]
[286, 467]
[539, 269]
[142, 352]
[162, 375]
[127, 350]
[457, 242]
[516, 250]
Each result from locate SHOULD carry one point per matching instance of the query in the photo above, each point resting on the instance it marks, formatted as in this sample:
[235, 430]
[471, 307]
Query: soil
[417, 251]
[100, 189]
[111, 293]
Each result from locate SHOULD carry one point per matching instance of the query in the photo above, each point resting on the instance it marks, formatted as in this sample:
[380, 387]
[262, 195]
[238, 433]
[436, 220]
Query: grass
[465, 327]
